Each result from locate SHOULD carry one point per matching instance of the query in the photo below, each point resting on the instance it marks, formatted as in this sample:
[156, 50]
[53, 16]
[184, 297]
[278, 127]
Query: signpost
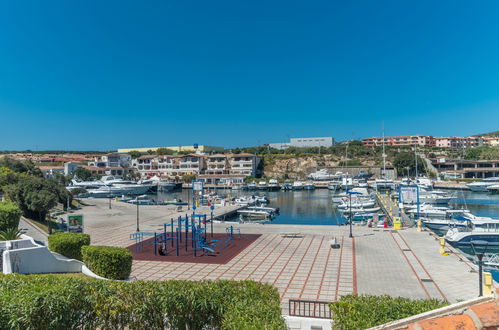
[409, 194]
[75, 223]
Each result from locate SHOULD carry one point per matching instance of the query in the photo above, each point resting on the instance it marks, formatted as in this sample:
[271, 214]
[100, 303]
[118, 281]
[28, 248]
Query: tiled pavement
[306, 267]
[300, 268]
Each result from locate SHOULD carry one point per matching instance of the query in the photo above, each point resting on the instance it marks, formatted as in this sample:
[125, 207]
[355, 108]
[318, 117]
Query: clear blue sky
[109, 74]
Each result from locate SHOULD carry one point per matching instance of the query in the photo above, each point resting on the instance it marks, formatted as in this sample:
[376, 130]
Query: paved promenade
[404, 263]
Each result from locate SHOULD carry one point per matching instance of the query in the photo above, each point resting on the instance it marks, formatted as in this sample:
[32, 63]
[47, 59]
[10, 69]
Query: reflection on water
[296, 207]
[480, 204]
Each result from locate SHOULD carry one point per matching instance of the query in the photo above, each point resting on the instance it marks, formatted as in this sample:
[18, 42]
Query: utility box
[397, 224]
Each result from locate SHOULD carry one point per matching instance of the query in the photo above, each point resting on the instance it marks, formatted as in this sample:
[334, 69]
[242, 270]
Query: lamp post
[479, 248]
[350, 193]
[109, 201]
[137, 201]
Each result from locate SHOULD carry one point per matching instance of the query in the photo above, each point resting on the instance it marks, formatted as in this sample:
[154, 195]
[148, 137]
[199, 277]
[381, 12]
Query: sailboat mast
[384, 155]
[416, 158]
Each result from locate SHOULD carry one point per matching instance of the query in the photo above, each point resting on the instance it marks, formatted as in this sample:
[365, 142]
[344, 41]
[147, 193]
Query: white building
[70, 167]
[304, 143]
[112, 160]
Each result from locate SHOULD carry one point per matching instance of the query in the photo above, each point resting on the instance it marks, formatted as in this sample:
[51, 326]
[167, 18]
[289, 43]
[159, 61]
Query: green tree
[82, 174]
[406, 160]
[9, 215]
[7, 176]
[164, 151]
[27, 167]
[35, 196]
[135, 154]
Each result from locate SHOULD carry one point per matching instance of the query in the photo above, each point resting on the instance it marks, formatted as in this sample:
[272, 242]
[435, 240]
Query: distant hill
[496, 133]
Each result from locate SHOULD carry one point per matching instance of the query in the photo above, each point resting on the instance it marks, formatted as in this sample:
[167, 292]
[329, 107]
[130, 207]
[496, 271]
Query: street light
[479, 247]
[350, 193]
[137, 201]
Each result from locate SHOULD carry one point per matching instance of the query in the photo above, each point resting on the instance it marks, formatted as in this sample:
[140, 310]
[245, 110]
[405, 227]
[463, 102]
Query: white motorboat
[357, 203]
[297, 185]
[360, 210]
[334, 185]
[322, 175]
[271, 210]
[483, 185]
[262, 185]
[252, 186]
[273, 185]
[255, 214]
[483, 237]
[493, 189]
[434, 198]
[384, 184]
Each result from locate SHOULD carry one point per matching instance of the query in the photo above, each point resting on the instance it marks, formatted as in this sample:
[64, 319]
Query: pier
[391, 209]
[299, 260]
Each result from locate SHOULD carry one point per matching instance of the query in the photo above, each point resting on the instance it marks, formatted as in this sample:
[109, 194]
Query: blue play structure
[189, 233]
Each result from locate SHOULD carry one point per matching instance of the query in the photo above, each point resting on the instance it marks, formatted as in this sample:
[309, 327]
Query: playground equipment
[187, 232]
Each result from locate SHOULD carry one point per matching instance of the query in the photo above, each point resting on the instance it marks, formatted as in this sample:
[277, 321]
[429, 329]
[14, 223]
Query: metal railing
[309, 308]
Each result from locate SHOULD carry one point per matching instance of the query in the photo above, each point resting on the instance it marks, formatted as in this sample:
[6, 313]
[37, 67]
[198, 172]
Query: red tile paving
[222, 254]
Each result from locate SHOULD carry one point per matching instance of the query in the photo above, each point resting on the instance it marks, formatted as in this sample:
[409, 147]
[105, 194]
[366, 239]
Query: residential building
[304, 143]
[402, 140]
[50, 171]
[114, 159]
[492, 141]
[193, 148]
[116, 171]
[215, 167]
[70, 167]
[457, 142]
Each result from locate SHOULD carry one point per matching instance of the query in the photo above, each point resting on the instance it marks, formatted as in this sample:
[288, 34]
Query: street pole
[351, 216]
[480, 259]
[137, 214]
[109, 202]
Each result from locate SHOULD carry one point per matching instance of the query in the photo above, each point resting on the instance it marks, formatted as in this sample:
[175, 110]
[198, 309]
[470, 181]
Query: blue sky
[110, 74]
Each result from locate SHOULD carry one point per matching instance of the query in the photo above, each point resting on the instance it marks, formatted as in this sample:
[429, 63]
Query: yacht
[493, 189]
[384, 184]
[483, 185]
[297, 185]
[273, 185]
[322, 175]
[434, 198]
[483, 238]
[86, 184]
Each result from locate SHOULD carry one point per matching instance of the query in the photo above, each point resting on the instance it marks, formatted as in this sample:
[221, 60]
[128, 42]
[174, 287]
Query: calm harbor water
[296, 207]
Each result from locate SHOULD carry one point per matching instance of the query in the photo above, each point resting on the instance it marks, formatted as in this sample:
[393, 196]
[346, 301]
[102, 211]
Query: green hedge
[108, 261]
[55, 302]
[68, 244]
[366, 311]
[10, 214]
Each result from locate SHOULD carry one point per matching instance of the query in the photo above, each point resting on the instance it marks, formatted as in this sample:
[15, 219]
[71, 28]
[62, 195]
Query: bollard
[487, 283]
[442, 246]
[420, 226]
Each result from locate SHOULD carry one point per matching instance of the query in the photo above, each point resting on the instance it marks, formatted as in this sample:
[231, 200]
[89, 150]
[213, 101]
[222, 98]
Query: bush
[108, 261]
[366, 311]
[9, 215]
[55, 302]
[68, 244]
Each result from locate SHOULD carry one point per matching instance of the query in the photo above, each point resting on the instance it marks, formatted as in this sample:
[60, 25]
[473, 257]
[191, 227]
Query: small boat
[177, 202]
[357, 203]
[322, 175]
[262, 185]
[273, 185]
[297, 185]
[287, 186]
[361, 210]
[271, 210]
[255, 214]
[142, 200]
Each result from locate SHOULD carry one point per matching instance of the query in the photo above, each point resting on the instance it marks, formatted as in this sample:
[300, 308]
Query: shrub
[9, 215]
[366, 311]
[108, 261]
[68, 244]
[10, 234]
[55, 302]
